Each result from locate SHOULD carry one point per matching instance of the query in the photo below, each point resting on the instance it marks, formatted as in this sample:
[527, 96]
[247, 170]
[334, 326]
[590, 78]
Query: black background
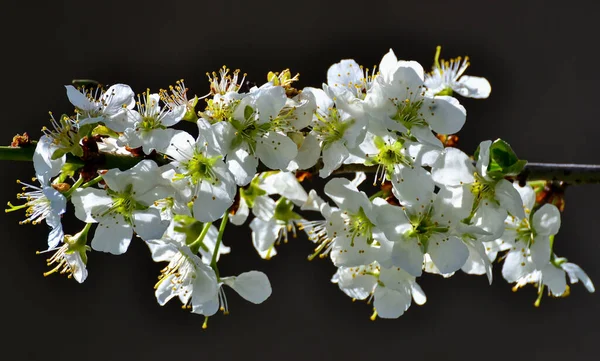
[540, 57]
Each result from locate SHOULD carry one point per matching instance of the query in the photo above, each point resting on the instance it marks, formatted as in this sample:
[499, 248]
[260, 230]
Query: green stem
[568, 173]
[76, 185]
[17, 153]
[213, 261]
[199, 242]
[92, 182]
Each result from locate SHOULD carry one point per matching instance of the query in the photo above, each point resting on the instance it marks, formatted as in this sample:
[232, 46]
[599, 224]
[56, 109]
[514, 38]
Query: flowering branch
[438, 210]
[572, 174]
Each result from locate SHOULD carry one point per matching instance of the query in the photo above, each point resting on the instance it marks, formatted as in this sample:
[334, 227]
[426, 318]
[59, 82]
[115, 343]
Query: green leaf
[58, 153]
[248, 111]
[503, 160]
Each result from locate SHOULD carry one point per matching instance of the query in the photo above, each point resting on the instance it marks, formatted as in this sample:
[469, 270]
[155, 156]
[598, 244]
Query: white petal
[241, 214]
[286, 185]
[148, 225]
[45, 167]
[453, 168]
[540, 250]
[418, 294]
[142, 177]
[449, 254]
[308, 153]
[264, 207]
[78, 99]
[413, 187]
[276, 150]
[354, 283]
[515, 264]
[509, 198]
[181, 147]
[473, 87]
[333, 157]
[174, 116]
[213, 200]
[452, 204]
[546, 220]
[112, 235]
[391, 220]
[90, 203]
[425, 135]
[390, 303]
[554, 277]
[388, 64]
[242, 165]
[117, 96]
[162, 251]
[210, 241]
[269, 100]
[408, 255]
[483, 159]
[577, 274]
[527, 195]
[264, 233]
[165, 292]
[254, 286]
[490, 217]
[351, 253]
[346, 195]
[344, 75]
[478, 262]
[78, 268]
[444, 114]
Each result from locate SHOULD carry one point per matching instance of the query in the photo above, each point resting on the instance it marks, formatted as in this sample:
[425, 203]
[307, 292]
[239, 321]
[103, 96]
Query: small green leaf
[503, 160]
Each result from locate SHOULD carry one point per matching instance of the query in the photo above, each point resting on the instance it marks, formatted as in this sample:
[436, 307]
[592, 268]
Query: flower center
[424, 227]
[123, 203]
[359, 225]
[248, 130]
[201, 168]
[408, 111]
[331, 129]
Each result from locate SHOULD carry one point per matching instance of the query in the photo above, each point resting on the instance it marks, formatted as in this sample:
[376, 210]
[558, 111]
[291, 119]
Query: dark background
[540, 57]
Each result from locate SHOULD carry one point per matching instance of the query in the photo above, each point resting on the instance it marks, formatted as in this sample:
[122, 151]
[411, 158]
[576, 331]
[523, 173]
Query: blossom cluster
[127, 170]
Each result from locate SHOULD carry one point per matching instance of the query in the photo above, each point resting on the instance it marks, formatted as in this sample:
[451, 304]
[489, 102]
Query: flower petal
[254, 286]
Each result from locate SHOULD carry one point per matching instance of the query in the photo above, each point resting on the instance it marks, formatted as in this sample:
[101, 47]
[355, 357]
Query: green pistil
[200, 168]
[409, 113]
[248, 130]
[220, 111]
[389, 156]
[424, 227]
[123, 203]
[150, 123]
[436, 58]
[361, 225]
[332, 128]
